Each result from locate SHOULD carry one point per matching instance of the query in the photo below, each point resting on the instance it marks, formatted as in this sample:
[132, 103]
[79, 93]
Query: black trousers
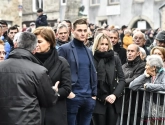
[109, 118]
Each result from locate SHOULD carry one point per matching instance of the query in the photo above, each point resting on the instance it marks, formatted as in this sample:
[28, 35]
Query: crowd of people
[72, 74]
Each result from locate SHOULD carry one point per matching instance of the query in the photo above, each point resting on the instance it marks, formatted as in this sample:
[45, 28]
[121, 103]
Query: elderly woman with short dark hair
[152, 80]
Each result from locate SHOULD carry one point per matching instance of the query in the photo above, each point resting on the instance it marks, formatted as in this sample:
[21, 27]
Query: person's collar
[21, 53]
[78, 42]
[134, 62]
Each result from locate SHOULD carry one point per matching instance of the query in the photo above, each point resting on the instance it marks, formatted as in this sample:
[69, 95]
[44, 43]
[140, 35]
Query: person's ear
[138, 53]
[15, 44]
[34, 51]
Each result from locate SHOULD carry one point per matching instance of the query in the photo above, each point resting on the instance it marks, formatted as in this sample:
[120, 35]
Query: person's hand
[146, 74]
[111, 98]
[71, 95]
[55, 87]
[145, 86]
[150, 71]
[94, 97]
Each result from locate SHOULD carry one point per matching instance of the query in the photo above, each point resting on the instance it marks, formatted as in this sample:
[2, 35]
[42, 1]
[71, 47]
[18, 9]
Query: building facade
[11, 11]
[143, 14]
[50, 7]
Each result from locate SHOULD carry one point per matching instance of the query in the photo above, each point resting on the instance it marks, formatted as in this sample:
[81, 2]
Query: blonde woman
[159, 51]
[110, 82]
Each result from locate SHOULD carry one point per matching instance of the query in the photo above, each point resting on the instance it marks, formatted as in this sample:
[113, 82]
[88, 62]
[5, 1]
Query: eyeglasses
[2, 53]
[12, 32]
[138, 38]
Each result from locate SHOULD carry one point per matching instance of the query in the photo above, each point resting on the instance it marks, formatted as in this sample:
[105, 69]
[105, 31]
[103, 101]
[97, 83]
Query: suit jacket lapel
[75, 54]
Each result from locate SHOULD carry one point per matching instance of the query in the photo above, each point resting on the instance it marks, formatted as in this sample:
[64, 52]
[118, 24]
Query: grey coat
[157, 85]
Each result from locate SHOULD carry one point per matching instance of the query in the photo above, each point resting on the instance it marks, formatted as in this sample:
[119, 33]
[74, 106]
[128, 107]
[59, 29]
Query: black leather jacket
[24, 88]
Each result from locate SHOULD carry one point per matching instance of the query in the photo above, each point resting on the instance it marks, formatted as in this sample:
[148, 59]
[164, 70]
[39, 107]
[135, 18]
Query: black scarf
[59, 42]
[48, 59]
[134, 62]
[117, 47]
[101, 59]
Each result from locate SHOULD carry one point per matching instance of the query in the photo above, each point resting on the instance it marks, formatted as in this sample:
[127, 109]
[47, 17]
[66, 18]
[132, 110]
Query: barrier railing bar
[136, 108]
[143, 107]
[129, 108]
[149, 112]
[157, 109]
[163, 111]
[122, 110]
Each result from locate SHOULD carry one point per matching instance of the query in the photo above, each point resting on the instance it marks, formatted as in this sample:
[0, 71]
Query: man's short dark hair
[12, 28]
[16, 25]
[39, 10]
[3, 22]
[68, 21]
[79, 21]
[91, 24]
[115, 31]
[27, 41]
[123, 27]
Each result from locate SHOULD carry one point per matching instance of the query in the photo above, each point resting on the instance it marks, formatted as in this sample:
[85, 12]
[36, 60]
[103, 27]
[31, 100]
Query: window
[158, 0]
[139, 1]
[94, 2]
[37, 4]
[63, 2]
[113, 1]
[103, 23]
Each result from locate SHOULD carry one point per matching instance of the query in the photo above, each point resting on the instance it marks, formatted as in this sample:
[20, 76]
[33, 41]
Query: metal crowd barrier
[146, 115]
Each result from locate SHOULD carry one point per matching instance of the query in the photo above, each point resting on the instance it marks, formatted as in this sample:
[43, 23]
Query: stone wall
[50, 7]
[9, 11]
[163, 18]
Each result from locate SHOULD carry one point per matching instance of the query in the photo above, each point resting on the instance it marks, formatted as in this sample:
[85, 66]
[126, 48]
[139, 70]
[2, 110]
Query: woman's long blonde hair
[99, 38]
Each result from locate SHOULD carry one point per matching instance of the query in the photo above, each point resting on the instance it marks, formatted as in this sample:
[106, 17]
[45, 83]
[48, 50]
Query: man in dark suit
[83, 73]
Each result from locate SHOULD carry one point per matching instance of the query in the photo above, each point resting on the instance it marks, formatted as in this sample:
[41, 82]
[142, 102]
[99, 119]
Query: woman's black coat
[59, 70]
[116, 86]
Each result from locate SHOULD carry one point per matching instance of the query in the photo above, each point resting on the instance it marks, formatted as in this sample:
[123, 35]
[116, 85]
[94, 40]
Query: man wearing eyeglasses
[9, 40]
[139, 39]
